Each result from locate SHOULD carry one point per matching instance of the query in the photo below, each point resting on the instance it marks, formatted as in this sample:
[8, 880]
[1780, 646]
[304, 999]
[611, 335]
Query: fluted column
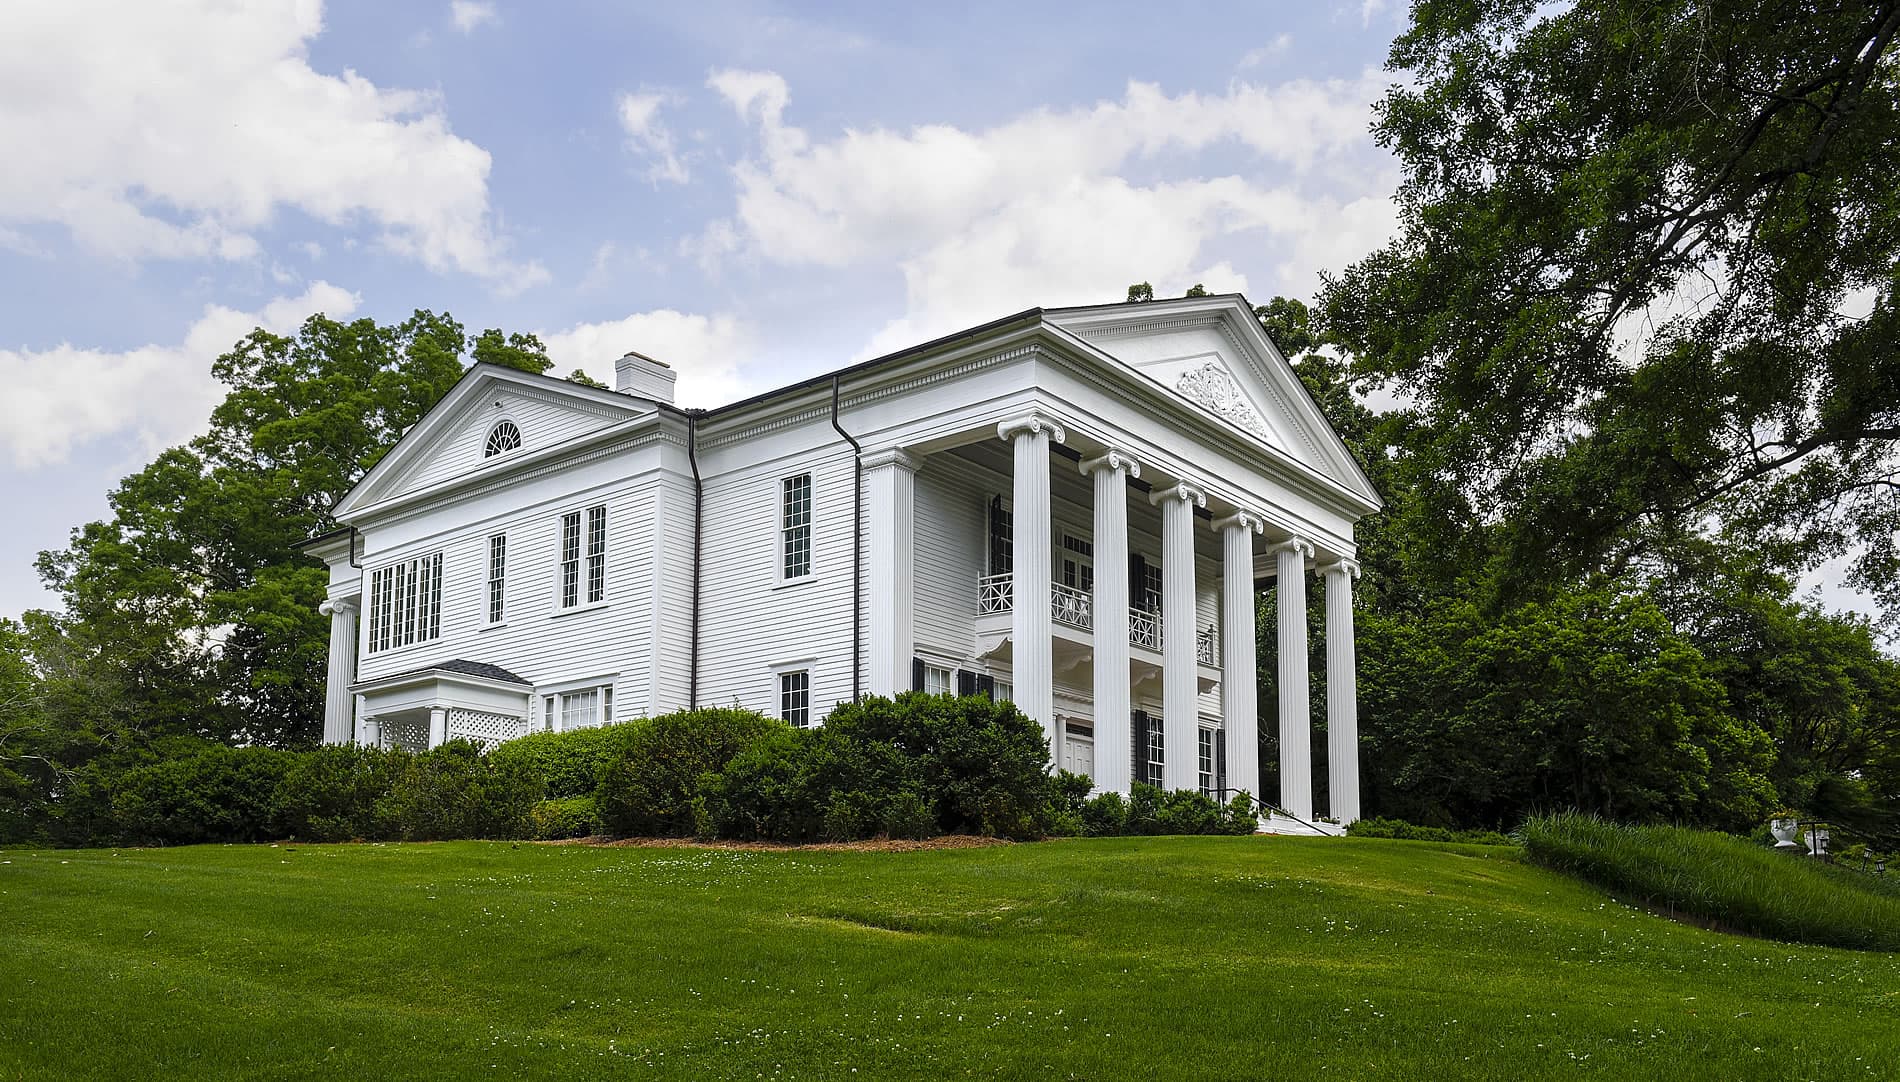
[1342, 693]
[1239, 695]
[1032, 662]
[1296, 704]
[890, 480]
[1110, 605]
[1180, 665]
[339, 720]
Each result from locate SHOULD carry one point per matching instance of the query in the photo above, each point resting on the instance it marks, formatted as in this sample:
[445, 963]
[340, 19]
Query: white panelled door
[1078, 750]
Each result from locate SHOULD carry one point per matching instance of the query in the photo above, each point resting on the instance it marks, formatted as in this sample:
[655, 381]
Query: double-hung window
[937, 680]
[1206, 749]
[795, 527]
[584, 556]
[794, 697]
[405, 603]
[497, 578]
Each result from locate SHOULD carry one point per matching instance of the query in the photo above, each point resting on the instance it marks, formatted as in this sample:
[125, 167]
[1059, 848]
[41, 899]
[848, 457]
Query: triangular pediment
[1211, 352]
[452, 439]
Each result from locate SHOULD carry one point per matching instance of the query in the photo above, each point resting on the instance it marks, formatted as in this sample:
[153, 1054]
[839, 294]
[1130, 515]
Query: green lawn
[1128, 958]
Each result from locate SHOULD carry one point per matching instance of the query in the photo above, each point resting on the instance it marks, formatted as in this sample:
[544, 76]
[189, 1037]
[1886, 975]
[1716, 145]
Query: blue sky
[752, 192]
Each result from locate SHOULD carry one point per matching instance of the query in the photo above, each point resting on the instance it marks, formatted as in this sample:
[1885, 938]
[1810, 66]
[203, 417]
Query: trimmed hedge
[1412, 832]
[1731, 882]
[911, 767]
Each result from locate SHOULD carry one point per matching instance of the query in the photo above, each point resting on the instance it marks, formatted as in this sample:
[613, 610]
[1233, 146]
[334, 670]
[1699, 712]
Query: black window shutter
[966, 682]
[1138, 743]
[986, 685]
[1137, 581]
[1220, 762]
[917, 674]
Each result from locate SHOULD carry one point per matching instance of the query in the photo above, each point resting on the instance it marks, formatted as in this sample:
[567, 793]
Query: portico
[1098, 660]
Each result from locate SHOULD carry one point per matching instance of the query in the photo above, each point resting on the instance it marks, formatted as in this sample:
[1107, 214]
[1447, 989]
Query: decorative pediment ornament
[1212, 388]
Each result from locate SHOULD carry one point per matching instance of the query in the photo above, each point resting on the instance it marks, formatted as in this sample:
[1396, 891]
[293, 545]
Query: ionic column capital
[1341, 566]
[1112, 460]
[332, 606]
[891, 456]
[1030, 423]
[1180, 490]
[1295, 544]
[1244, 521]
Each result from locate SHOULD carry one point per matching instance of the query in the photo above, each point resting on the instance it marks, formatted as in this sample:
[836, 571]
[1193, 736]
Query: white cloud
[179, 130]
[1279, 46]
[708, 352]
[470, 14]
[640, 119]
[1041, 209]
[61, 397]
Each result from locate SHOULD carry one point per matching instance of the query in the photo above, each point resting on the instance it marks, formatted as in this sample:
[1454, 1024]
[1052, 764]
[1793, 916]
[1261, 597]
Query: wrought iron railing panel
[1144, 629]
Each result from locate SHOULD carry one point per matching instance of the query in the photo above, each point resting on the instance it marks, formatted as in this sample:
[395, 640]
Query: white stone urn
[1787, 833]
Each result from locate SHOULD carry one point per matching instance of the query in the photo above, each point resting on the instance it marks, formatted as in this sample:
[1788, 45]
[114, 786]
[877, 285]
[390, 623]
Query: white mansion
[1070, 508]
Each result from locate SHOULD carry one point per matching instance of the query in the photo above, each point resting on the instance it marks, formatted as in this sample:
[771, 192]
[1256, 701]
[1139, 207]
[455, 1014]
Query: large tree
[188, 611]
[1645, 281]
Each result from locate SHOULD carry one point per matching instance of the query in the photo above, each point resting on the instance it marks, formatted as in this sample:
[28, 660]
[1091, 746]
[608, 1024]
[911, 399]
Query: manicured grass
[1729, 881]
[1125, 958]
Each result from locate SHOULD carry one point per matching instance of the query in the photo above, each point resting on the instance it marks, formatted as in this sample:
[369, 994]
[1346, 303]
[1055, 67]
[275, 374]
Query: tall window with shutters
[795, 527]
[1205, 751]
[1002, 538]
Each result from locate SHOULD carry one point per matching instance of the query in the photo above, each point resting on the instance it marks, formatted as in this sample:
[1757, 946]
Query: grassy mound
[1731, 882]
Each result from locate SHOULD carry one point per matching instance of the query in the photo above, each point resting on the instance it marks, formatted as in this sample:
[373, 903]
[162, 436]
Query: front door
[1078, 749]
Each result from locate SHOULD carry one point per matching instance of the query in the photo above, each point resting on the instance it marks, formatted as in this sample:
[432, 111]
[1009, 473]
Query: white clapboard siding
[537, 640]
[750, 621]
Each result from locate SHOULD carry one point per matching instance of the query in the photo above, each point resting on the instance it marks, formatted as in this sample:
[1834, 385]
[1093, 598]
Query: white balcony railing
[994, 593]
[1144, 629]
[1206, 647]
[1071, 606]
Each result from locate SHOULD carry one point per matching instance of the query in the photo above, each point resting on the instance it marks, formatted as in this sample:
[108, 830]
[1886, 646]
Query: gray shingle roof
[466, 668]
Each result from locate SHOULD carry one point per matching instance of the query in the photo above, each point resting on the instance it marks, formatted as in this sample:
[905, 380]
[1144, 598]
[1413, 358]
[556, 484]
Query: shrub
[568, 764]
[1412, 832]
[454, 791]
[765, 792]
[215, 794]
[1719, 878]
[651, 783]
[982, 765]
[332, 793]
[566, 817]
[1105, 816]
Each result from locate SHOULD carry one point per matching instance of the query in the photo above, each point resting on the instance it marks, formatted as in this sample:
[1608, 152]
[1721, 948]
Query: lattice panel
[410, 734]
[484, 728]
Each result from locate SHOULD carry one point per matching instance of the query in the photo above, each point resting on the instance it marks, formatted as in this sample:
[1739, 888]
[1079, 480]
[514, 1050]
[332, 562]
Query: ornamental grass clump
[1729, 882]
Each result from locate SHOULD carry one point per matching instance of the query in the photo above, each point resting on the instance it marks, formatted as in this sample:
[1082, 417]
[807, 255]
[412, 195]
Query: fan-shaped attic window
[502, 438]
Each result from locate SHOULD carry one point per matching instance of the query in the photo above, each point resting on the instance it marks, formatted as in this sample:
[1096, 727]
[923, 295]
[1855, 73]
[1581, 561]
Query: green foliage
[651, 783]
[339, 793]
[1106, 815]
[1726, 880]
[982, 764]
[1589, 701]
[565, 817]
[1616, 302]
[1401, 830]
[215, 794]
[568, 764]
[454, 791]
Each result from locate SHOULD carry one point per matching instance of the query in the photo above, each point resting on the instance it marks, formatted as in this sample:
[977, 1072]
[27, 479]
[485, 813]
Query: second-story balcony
[1070, 607]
